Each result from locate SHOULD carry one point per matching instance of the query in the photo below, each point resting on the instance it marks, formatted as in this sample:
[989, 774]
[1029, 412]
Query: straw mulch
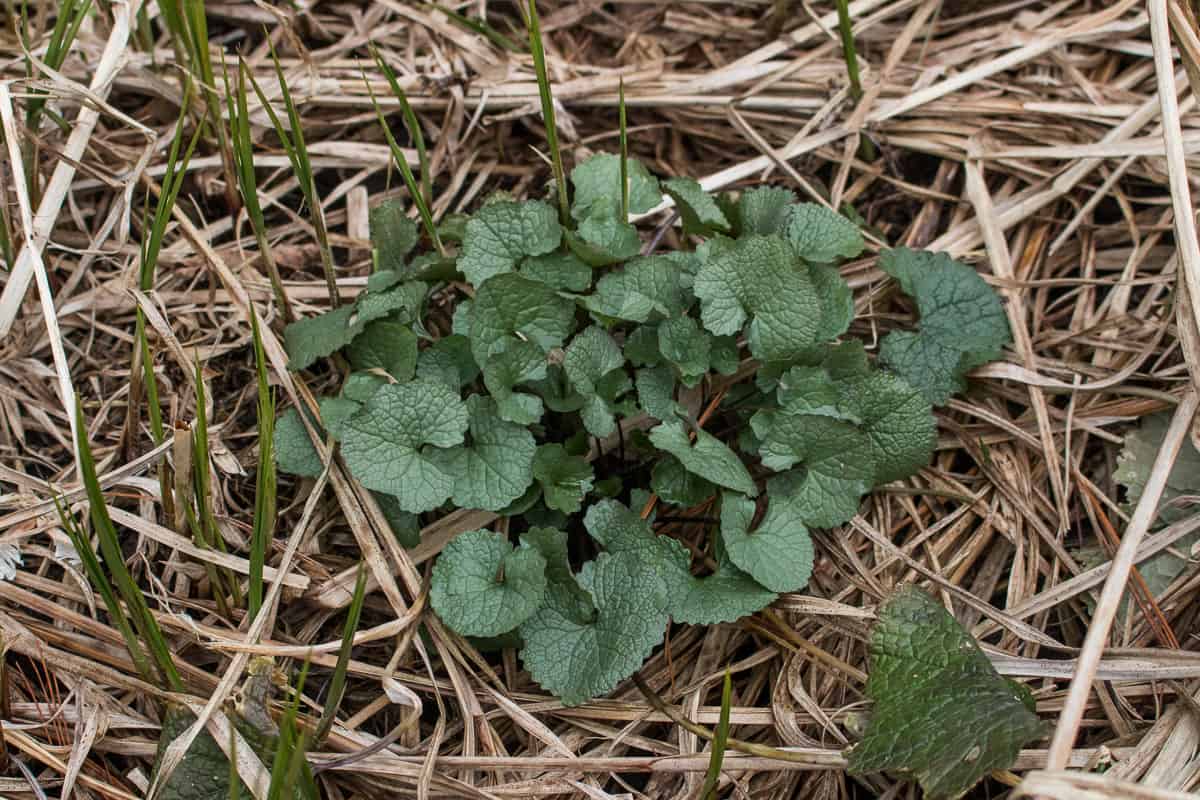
[1046, 142]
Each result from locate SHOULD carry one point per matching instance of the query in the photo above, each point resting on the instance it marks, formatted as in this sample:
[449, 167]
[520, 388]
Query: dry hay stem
[1048, 142]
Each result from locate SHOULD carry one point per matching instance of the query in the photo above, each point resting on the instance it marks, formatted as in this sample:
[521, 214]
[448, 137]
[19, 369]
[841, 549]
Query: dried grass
[1048, 142]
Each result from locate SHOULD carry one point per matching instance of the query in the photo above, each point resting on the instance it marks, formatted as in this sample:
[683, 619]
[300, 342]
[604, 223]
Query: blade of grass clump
[297, 152]
[290, 773]
[178, 157]
[145, 36]
[265, 478]
[624, 151]
[110, 551]
[210, 537]
[337, 684]
[195, 19]
[98, 578]
[410, 180]
[411, 122]
[70, 16]
[543, 78]
[480, 27]
[712, 777]
[172, 17]
[243, 160]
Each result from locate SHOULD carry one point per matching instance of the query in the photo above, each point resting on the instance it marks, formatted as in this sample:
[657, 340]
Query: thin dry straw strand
[33, 247]
[1181, 197]
[1114, 587]
[106, 69]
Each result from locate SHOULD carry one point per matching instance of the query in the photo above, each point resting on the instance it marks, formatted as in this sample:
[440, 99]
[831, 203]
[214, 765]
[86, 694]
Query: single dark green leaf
[897, 420]
[839, 467]
[511, 307]
[360, 387]
[619, 529]
[522, 362]
[556, 391]
[682, 342]
[821, 235]
[336, 410]
[941, 712]
[598, 180]
[764, 211]
[401, 302]
[605, 238]
[778, 553]
[656, 392]
[502, 233]
[708, 457]
[963, 324]
[393, 234]
[448, 360]
[204, 770]
[674, 484]
[568, 596]
[565, 479]
[811, 390]
[557, 270]
[386, 345]
[405, 526]
[294, 451]
[725, 596]
[641, 289]
[760, 280]
[578, 660]
[641, 346]
[481, 586]
[495, 467]
[387, 445]
[310, 339]
[700, 213]
[590, 357]
[837, 301]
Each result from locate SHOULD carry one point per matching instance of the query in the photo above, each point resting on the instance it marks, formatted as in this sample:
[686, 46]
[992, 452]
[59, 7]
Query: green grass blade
[543, 78]
[712, 778]
[210, 536]
[413, 125]
[196, 23]
[243, 157]
[265, 478]
[480, 27]
[153, 230]
[298, 155]
[110, 551]
[289, 766]
[6, 237]
[172, 183]
[235, 780]
[70, 16]
[172, 18]
[849, 51]
[337, 684]
[406, 171]
[624, 150]
[98, 578]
